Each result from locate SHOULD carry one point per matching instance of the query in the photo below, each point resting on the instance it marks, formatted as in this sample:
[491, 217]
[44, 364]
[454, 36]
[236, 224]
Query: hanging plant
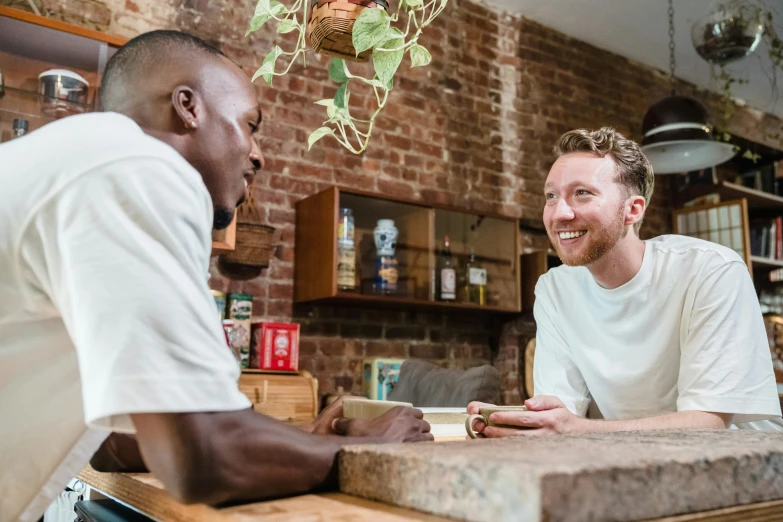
[732, 31]
[352, 30]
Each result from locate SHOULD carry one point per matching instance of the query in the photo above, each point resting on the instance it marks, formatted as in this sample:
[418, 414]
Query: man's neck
[619, 265]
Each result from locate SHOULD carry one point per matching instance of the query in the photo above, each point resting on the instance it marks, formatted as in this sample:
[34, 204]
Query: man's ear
[186, 105]
[635, 207]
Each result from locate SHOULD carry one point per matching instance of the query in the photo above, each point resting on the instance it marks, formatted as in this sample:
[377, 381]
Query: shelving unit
[421, 229]
[31, 44]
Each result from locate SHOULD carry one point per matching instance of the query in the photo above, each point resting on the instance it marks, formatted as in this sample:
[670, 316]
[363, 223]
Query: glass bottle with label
[475, 281]
[346, 251]
[447, 280]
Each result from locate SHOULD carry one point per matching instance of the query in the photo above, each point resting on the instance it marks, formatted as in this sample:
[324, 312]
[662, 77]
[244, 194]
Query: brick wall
[474, 130]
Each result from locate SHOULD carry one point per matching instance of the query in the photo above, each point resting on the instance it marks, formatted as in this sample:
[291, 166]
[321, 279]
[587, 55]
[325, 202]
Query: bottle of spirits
[448, 275]
[475, 281]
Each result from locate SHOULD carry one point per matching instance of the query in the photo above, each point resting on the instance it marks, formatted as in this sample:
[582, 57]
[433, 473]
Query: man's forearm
[234, 456]
[669, 421]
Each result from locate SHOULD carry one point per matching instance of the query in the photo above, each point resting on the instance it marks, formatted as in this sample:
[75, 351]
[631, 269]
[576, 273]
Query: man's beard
[599, 242]
[222, 218]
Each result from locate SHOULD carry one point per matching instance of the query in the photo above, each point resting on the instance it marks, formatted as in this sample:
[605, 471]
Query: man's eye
[582, 192]
[550, 196]
[253, 128]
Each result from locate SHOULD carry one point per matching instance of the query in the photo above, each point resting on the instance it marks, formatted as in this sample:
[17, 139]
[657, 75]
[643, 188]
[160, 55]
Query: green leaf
[420, 56]
[337, 70]
[370, 28]
[412, 3]
[339, 97]
[317, 135]
[262, 7]
[256, 23]
[264, 12]
[287, 25]
[326, 103]
[267, 68]
[386, 63]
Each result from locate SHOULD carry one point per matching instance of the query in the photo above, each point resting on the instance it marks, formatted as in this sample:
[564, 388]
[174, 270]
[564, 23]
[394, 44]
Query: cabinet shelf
[757, 199]
[351, 298]
[421, 230]
[765, 262]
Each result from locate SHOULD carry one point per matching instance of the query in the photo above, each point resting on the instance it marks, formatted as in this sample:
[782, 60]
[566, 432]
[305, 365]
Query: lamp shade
[678, 139]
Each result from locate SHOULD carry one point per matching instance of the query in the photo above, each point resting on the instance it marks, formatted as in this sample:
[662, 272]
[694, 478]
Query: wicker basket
[255, 242]
[330, 27]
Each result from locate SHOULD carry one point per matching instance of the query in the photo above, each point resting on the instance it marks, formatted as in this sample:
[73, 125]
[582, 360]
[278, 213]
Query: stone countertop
[590, 477]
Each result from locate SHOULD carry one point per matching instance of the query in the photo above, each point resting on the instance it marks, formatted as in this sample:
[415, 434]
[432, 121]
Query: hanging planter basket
[330, 26]
[255, 244]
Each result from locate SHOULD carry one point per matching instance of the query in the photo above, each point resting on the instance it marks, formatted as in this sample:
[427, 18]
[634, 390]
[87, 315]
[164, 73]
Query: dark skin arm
[120, 453]
[242, 456]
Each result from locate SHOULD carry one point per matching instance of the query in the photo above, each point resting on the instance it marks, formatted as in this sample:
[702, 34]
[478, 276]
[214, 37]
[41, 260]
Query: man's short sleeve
[123, 255]
[725, 364]
[554, 372]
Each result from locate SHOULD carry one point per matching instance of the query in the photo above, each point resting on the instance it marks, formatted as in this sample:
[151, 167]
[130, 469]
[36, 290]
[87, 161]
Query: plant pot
[330, 27]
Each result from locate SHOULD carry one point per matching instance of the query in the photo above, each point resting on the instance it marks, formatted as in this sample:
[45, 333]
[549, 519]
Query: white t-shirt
[686, 333]
[105, 238]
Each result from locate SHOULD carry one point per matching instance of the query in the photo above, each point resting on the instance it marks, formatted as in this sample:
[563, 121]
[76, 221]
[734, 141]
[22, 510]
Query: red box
[275, 347]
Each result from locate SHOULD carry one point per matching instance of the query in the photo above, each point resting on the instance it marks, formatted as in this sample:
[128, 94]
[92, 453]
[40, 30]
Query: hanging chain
[672, 61]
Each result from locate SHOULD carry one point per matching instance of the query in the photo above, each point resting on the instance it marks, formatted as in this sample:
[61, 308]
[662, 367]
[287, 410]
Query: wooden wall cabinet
[30, 45]
[421, 232]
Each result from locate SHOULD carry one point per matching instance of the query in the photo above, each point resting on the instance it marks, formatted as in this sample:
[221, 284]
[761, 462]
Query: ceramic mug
[483, 416]
[368, 409]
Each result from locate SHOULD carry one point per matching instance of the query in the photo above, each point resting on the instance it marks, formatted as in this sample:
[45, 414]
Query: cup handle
[469, 425]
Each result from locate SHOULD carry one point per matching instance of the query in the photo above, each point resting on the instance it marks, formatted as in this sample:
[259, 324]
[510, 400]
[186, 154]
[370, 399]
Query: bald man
[106, 320]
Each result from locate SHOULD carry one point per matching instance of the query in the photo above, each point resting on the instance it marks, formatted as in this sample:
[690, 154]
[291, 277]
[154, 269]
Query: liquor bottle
[475, 281]
[448, 275]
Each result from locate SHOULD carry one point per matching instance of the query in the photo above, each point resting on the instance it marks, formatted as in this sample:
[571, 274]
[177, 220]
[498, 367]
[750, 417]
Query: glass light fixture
[677, 135]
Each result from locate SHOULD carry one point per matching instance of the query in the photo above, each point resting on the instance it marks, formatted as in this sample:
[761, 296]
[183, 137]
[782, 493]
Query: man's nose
[256, 158]
[563, 211]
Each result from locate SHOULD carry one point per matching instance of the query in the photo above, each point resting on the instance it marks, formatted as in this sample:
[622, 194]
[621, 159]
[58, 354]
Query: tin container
[275, 347]
[240, 310]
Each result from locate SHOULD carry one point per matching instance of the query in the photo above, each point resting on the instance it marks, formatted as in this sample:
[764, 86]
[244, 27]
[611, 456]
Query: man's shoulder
[686, 250]
[103, 137]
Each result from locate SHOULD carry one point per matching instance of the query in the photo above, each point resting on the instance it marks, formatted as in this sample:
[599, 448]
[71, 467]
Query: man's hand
[400, 424]
[546, 415]
[322, 425]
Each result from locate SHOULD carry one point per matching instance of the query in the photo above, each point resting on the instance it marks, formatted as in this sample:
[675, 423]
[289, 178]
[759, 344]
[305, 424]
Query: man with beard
[106, 319]
[659, 334]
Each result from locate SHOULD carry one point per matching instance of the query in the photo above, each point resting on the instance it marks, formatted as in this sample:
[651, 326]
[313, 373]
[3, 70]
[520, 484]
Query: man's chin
[222, 218]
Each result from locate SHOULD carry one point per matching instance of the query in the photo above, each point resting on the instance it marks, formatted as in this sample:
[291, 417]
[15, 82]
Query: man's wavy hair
[633, 169]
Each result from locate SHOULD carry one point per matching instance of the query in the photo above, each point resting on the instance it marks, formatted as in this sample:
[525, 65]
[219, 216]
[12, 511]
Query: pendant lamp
[676, 134]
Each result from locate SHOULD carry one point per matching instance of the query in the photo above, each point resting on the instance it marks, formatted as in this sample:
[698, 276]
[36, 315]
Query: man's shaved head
[188, 94]
[135, 60]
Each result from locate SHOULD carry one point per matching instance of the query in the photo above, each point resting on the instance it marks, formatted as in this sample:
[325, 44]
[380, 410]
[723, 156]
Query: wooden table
[145, 493]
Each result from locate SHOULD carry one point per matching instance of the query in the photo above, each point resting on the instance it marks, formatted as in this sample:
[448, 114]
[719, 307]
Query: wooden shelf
[765, 262]
[421, 230]
[349, 298]
[757, 200]
[63, 27]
